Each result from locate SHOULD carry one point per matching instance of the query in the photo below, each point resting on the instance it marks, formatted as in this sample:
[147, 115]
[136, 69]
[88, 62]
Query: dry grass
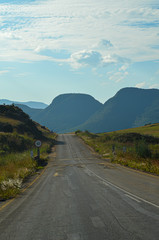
[142, 154]
[17, 137]
[14, 168]
[152, 129]
[11, 121]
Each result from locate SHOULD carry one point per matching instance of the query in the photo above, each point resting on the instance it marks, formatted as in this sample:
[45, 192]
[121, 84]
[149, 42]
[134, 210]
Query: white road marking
[106, 184]
[132, 198]
[121, 189]
[86, 170]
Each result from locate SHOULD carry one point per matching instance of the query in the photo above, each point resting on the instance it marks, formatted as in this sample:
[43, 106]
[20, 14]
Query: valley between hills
[130, 107]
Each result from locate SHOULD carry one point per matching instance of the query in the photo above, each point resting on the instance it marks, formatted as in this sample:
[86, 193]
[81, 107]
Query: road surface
[81, 197]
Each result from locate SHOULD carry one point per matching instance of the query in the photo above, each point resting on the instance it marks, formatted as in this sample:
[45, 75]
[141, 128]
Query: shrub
[105, 138]
[142, 149]
[78, 131]
[6, 127]
[11, 142]
[133, 137]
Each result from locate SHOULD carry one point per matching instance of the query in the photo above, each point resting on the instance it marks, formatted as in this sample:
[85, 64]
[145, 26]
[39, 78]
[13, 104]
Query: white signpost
[38, 145]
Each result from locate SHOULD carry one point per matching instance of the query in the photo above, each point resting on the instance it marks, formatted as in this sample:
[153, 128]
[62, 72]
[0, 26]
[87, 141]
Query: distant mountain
[128, 108]
[32, 112]
[31, 104]
[67, 111]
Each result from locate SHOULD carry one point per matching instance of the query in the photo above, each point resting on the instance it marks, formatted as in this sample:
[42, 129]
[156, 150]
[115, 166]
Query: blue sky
[50, 47]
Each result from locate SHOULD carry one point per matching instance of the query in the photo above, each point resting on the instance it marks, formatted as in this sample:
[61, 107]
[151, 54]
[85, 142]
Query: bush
[133, 137]
[11, 142]
[105, 138]
[142, 149]
[90, 135]
[6, 127]
[78, 131]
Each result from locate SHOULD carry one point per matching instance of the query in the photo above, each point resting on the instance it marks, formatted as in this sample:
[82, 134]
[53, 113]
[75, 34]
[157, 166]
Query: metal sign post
[38, 145]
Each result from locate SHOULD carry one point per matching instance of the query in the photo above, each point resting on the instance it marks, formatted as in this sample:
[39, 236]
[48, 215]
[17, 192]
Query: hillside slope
[150, 115]
[128, 108]
[18, 153]
[32, 112]
[14, 120]
[67, 111]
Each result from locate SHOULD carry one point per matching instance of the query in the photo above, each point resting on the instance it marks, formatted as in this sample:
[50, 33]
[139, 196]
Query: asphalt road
[81, 197]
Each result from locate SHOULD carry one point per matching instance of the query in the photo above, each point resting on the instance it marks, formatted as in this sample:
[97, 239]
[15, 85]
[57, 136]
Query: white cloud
[140, 85]
[3, 72]
[86, 58]
[23, 74]
[118, 27]
[109, 59]
[122, 72]
[124, 67]
[105, 44]
[93, 59]
[118, 76]
[154, 86]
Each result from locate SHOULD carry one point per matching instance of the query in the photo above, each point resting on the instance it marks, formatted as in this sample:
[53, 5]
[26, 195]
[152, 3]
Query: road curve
[81, 197]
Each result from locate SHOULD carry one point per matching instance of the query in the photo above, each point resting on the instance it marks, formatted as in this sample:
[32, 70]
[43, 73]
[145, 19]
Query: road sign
[38, 143]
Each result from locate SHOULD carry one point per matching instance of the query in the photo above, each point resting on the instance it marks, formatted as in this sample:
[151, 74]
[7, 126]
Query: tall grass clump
[14, 168]
[142, 149]
[131, 149]
[18, 155]
[12, 142]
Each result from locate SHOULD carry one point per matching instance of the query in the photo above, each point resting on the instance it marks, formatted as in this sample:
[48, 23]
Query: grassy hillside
[136, 147]
[13, 119]
[148, 129]
[128, 108]
[18, 134]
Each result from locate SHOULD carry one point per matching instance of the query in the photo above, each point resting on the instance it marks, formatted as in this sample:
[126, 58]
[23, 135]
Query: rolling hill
[67, 111]
[130, 107]
[32, 112]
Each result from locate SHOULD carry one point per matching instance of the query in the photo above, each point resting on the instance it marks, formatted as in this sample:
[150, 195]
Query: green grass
[151, 129]
[137, 148]
[13, 142]
[11, 121]
[16, 167]
[18, 134]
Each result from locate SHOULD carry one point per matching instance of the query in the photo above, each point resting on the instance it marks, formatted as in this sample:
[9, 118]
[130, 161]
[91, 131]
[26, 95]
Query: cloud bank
[94, 33]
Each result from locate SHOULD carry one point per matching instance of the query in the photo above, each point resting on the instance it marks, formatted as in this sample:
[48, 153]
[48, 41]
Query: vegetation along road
[82, 197]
